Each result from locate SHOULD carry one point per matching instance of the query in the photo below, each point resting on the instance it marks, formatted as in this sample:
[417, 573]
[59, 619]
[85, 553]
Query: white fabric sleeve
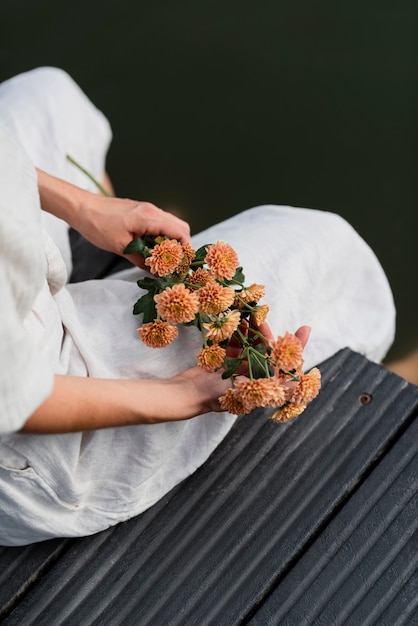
[26, 379]
[50, 116]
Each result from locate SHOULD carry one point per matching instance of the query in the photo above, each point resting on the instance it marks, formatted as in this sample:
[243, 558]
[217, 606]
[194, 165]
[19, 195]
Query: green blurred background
[217, 106]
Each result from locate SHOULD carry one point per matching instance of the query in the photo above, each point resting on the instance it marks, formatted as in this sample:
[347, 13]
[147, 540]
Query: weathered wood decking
[312, 522]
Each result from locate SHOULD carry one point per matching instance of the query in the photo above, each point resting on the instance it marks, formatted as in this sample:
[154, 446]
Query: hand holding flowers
[205, 289]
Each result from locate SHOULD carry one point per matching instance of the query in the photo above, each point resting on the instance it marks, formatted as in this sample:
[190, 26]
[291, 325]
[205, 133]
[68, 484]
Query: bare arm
[79, 404]
[109, 223]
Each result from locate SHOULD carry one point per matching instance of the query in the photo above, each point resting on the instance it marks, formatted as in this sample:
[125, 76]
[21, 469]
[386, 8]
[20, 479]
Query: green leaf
[146, 283]
[258, 369]
[200, 254]
[137, 245]
[238, 278]
[231, 367]
[260, 347]
[260, 366]
[146, 305]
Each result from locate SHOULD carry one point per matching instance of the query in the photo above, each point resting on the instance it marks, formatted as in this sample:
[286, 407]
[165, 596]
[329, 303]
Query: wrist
[198, 391]
[177, 399]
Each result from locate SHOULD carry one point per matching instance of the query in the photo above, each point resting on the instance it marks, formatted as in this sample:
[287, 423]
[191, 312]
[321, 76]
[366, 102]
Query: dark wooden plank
[22, 567]
[71, 580]
[218, 546]
[363, 568]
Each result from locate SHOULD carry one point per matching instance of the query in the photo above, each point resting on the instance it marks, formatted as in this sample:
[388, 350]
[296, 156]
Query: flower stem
[261, 359]
[202, 330]
[250, 367]
[96, 182]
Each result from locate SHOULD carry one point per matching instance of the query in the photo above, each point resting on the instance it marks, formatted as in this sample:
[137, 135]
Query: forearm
[61, 198]
[79, 404]
[109, 223]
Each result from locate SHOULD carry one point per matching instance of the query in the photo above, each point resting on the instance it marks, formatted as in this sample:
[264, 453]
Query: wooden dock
[310, 522]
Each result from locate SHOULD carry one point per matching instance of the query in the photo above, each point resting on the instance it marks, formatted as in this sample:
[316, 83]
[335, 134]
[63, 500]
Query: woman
[95, 426]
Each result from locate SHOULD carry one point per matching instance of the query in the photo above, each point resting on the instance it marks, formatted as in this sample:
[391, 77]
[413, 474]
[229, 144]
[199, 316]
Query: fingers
[266, 331]
[151, 220]
[140, 219]
[303, 333]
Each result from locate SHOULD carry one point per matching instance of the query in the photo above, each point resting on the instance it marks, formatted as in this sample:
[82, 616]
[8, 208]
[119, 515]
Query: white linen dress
[315, 267]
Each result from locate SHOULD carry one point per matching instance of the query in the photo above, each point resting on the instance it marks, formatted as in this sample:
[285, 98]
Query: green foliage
[146, 305]
[231, 367]
[238, 278]
[137, 245]
[199, 257]
[245, 339]
[252, 346]
[260, 367]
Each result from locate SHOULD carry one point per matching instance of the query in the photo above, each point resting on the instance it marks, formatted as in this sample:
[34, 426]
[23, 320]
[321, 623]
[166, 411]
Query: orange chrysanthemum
[223, 326]
[287, 412]
[200, 277]
[251, 294]
[177, 304]
[188, 256]
[157, 334]
[211, 358]
[165, 257]
[308, 387]
[222, 260]
[287, 352]
[214, 298]
[261, 313]
[265, 392]
[232, 403]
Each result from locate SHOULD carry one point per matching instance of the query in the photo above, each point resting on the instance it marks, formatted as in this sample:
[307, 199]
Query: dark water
[218, 106]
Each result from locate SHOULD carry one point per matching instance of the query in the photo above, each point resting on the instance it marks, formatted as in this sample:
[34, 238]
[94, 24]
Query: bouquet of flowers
[205, 288]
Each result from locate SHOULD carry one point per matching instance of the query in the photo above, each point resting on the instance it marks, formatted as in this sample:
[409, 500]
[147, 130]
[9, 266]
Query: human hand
[234, 348]
[197, 391]
[302, 333]
[112, 223]
[108, 223]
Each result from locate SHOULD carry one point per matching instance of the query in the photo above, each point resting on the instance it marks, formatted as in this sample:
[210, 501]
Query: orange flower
[308, 387]
[223, 326]
[261, 313]
[200, 277]
[157, 334]
[222, 260]
[287, 352]
[251, 294]
[287, 412]
[211, 358]
[177, 305]
[232, 403]
[266, 392]
[214, 298]
[188, 256]
[165, 257]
